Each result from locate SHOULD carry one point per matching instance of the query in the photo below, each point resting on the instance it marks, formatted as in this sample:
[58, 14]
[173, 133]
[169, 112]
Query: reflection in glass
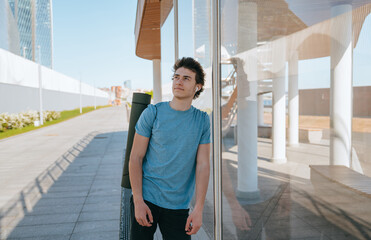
[296, 120]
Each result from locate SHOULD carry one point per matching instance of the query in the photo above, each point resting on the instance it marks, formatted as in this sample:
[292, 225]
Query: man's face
[184, 83]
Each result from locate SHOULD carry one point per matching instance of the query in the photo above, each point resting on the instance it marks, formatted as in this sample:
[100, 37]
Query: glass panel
[194, 41]
[361, 135]
[290, 119]
[43, 32]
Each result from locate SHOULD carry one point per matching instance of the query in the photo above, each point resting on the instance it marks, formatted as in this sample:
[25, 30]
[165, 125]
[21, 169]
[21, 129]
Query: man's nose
[180, 80]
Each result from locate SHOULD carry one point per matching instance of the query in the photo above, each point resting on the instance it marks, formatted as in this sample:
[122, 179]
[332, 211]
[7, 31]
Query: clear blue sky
[95, 40]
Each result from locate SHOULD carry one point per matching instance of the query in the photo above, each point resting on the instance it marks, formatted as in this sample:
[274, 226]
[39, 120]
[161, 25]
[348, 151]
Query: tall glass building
[26, 29]
[9, 35]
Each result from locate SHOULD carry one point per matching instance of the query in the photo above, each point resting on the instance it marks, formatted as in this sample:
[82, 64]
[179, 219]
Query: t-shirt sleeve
[205, 137]
[145, 121]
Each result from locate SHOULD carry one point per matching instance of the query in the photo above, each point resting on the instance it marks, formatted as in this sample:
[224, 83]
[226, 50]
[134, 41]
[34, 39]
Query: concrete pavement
[63, 181]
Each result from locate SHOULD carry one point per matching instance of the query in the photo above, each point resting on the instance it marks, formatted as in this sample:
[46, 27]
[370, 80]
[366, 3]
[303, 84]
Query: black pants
[171, 222]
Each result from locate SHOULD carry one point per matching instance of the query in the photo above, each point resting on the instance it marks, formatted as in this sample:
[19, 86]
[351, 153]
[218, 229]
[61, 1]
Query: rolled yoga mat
[139, 103]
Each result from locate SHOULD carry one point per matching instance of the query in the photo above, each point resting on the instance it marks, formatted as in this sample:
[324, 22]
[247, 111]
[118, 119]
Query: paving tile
[101, 207]
[32, 220]
[54, 189]
[42, 230]
[52, 209]
[96, 226]
[99, 216]
[61, 201]
[49, 237]
[66, 194]
[95, 235]
[103, 199]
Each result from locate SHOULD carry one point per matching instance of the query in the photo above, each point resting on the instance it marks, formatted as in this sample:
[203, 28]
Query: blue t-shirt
[170, 161]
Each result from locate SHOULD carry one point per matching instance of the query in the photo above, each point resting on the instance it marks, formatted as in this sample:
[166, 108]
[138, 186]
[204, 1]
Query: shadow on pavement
[77, 197]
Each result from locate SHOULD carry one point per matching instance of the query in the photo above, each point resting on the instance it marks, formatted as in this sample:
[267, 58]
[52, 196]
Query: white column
[247, 119]
[279, 102]
[341, 85]
[157, 91]
[261, 110]
[293, 100]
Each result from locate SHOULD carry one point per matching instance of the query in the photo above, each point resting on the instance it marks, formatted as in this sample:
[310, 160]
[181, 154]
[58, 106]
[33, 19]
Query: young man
[170, 160]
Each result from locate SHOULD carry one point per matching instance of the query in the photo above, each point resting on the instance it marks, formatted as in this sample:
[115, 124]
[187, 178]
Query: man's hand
[141, 213]
[241, 218]
[194, 222]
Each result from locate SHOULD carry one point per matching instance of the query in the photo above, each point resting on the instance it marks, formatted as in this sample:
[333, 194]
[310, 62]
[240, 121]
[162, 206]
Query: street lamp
[40, 86]
[24, 52]
[95, 97]
[80, 94]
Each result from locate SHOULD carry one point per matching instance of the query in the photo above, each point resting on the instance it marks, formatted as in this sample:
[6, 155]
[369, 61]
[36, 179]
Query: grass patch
[65, 115]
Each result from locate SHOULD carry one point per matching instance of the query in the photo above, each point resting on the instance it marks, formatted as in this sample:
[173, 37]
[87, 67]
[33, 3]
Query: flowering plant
[20, 120]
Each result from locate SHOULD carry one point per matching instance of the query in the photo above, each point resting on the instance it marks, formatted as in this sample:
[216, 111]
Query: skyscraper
[9, 35]
[32, 31]
[202, 38]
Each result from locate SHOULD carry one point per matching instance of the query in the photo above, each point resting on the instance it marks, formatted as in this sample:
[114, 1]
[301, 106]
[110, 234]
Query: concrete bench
[343, 176]
[311, 135]
[265, 131]
[306, 135]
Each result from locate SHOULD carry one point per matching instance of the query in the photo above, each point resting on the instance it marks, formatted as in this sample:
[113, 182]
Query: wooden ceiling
[275, 19]
[147, 29]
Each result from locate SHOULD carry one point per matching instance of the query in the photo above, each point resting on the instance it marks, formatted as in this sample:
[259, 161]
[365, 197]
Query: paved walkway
[63, 181]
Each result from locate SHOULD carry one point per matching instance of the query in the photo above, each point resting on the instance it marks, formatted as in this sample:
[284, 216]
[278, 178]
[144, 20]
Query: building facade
[26, 27]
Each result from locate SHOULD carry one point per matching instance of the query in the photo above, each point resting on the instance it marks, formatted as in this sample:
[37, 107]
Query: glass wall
[296, 116]
[194, 41]
[295, 109]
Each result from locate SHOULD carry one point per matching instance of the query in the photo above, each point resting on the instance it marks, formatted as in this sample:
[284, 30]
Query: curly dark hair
[194, 66]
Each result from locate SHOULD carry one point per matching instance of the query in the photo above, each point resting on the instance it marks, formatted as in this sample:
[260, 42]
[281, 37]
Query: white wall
[19, 83]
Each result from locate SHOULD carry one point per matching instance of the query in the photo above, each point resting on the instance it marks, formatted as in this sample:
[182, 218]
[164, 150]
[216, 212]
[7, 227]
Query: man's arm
[137, 154]
[202, 181]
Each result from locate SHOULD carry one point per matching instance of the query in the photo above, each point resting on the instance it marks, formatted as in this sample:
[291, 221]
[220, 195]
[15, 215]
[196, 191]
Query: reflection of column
[293, 100]
[260, 110]
[247, 179]
[157, 93]
[341, 85]
[279, 103]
